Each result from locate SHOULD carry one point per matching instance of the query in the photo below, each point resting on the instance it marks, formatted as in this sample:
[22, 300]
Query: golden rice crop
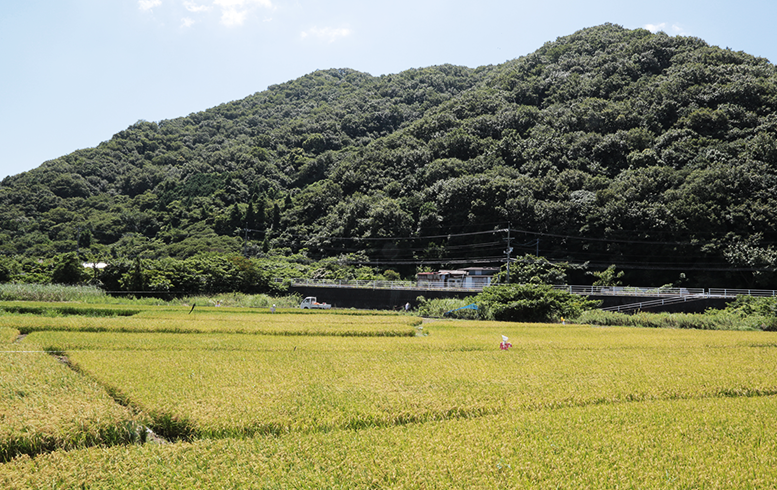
[219, 320]
[278, 384]
[707, 443]
[567, 406]
[44, 405]
[8, 335]
[451, 336]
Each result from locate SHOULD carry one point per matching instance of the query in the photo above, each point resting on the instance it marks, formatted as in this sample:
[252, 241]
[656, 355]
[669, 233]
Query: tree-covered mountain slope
[608, 146]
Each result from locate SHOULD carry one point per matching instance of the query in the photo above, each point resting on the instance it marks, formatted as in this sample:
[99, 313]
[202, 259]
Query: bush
[751, 305]
[530, 303]
[68, 270]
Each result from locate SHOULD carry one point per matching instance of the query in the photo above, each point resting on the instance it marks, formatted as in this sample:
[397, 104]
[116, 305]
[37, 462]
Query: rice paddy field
[172, 397]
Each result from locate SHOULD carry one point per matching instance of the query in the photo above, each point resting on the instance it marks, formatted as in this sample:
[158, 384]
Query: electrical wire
[594, 258]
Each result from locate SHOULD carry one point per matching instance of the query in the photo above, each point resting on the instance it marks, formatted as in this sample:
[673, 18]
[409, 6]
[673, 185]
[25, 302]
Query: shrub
[530, 303]
[68, 270]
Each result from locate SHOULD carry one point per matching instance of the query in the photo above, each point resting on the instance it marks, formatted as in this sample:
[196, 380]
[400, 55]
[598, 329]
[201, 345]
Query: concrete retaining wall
[373, 299]
[395, 299]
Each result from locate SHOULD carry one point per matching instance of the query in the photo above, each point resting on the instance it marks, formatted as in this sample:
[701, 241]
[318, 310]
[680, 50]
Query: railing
[631, 291]
[656, 302]
[377, 284]
[732, 293]
[659, 292]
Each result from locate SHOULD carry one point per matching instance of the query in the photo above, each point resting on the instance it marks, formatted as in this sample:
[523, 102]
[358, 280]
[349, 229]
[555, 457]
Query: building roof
[481, 271]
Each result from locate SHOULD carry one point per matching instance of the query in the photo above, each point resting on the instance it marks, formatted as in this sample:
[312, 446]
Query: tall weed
[710, 320]
[49, 292]
[444, 307]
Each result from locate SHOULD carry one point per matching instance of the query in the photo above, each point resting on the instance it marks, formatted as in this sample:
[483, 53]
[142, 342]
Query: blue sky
[75, 72]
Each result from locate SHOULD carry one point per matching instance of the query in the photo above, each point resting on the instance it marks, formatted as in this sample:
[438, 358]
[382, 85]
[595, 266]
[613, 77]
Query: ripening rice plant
[8, 335]
[374, 410]
[272, 384]
[697, 443]
[217, 320]
[44, 405]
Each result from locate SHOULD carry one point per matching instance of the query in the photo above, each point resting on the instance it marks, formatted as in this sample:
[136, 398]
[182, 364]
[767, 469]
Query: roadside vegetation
[541, 303]
[745, 313]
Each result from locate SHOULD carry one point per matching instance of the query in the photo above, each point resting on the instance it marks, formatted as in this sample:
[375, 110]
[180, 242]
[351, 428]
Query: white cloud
[234, 12]
[146, 5]
[193, 7]
[231, 12]
[233, 17]
[235, 4]
[327, 34]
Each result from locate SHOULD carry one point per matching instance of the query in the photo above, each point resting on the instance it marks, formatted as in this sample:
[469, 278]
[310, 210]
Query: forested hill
[609, 146]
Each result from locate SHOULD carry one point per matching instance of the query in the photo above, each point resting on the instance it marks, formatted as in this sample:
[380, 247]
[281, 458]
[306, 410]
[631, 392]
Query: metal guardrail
[656, 302]
[631, 291]
[353, 283]
[733, 293]
[659, 292]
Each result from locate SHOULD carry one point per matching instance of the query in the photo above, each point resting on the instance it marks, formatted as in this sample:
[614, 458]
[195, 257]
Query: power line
[402, 238]
[606, 240]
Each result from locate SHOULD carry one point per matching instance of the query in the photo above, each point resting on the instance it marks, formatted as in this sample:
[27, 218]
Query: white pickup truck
[310, 302]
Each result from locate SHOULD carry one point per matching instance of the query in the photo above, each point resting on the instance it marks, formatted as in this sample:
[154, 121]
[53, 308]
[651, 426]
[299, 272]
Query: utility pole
[245, 242]
[508, 252]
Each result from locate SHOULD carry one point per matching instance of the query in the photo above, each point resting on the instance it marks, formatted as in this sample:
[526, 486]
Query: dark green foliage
[200, 274]
[209, 274]
[68, 270]
[5, 270]
[530, 303]
[529, 269]
[608, 277]
[654, 153]
[751, 306]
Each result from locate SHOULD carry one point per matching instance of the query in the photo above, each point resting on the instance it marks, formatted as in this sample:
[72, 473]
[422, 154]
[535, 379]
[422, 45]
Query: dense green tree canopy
[611, 146]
